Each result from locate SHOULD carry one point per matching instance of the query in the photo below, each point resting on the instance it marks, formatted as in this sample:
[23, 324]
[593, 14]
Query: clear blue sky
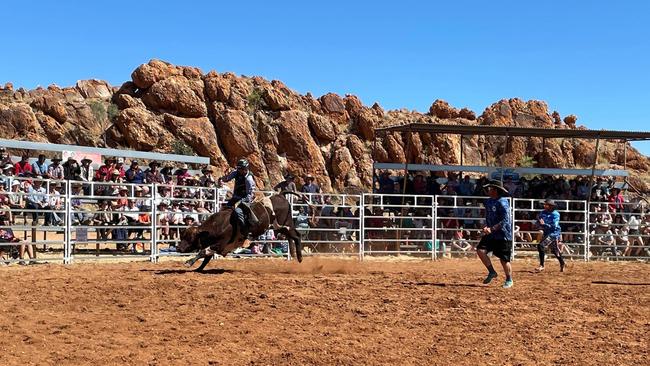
[589, 58]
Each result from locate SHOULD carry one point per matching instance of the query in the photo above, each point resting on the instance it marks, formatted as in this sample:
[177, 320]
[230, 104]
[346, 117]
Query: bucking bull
[222, 232]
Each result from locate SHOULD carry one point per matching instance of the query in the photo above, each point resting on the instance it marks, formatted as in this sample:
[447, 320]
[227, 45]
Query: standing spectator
[636, 241]
[207, 177]
[103, 218]
[386, 184]
[152, 175]
[433, 187]
[87, 171]
[497, 233]
[616, 201]
[104, 172]
[4, 157]
[182, 175]
[287, 185]
[311, 187]
[55, 170]
[39, 168]
[452, 185]
[549, 221]
[23, 166]
[419, 184]
[71, 169]
[167, 173]
[135, 174]
[466, 187]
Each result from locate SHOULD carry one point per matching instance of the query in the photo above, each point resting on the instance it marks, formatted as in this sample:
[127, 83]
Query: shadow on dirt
[211, 271]
[619, 283]
[442, 284]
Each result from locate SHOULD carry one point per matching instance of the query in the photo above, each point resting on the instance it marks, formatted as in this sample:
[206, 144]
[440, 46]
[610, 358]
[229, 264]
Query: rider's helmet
[242, 164]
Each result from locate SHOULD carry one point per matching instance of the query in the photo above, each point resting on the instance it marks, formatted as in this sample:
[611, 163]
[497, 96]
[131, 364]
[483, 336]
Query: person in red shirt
[23, 166]
[616, 201]
[104, 172]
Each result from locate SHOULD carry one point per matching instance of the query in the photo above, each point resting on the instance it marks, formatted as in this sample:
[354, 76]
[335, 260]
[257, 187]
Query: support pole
[502, 155]
[460, 173]
[591, 182]
[398, 233]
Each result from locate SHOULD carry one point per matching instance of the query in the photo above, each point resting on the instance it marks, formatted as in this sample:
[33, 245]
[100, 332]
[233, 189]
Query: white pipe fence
[72, 221]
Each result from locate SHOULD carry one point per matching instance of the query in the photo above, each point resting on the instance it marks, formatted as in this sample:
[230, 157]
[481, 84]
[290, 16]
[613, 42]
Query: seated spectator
[8, 173]
[119, 166]
[7, 236]
[36, 199]
[153, 175]
[459, 242]
[54, 203]
[71, 169]
[134, 174]
[287, 185]
[15, 199]
[80, 214]
[39, 168]
[23, 166]
[116, 177]
[608, 242]
[55, 170]
[433, 187]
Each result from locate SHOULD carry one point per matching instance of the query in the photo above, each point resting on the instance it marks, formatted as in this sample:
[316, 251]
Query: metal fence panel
[398, 224]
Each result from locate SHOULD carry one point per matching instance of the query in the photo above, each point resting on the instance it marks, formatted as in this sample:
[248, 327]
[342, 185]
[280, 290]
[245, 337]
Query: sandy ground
[324, 312]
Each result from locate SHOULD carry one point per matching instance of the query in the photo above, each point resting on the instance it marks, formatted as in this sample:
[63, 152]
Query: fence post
[434, 227]
[362, 226]
[154, 224]
[67, 247]
[587, 228]
[512, 225]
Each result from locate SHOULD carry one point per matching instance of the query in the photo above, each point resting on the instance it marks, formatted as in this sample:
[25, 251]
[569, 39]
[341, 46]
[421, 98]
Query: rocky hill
[180, 109]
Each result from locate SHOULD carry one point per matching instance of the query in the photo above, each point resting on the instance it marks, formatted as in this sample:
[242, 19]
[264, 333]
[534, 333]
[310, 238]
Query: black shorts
[501, 249]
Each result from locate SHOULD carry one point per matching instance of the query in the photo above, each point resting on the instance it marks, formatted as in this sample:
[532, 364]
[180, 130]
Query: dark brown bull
[220, 233]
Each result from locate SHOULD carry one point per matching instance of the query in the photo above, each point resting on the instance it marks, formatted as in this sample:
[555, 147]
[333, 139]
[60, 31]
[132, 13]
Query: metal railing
[104, 220]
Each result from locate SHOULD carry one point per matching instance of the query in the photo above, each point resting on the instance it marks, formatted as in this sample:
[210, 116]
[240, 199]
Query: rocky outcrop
[226, 117]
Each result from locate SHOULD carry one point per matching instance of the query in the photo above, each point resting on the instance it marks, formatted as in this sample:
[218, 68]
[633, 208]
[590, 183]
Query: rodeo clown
[497, 233]
[549, 221]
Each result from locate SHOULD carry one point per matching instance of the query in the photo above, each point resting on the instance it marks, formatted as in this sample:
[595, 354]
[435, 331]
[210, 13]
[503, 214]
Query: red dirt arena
[324, 312]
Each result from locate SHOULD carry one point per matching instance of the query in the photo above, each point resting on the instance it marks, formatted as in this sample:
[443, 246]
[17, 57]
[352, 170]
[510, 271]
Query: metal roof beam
[46, 146]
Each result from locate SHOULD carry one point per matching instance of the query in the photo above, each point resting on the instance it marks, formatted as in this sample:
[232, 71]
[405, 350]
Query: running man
[549, 221]
[497, 234]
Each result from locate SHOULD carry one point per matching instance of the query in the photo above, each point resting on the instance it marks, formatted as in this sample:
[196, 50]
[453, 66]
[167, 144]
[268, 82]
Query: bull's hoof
[190, 263]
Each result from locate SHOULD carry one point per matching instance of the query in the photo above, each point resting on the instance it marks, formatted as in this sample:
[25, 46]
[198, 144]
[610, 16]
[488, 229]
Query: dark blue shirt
[135, 176]
[551, 225]
[497, 213]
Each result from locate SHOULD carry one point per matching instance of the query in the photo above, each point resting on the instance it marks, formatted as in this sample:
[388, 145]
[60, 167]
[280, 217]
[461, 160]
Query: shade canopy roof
[516, 131]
